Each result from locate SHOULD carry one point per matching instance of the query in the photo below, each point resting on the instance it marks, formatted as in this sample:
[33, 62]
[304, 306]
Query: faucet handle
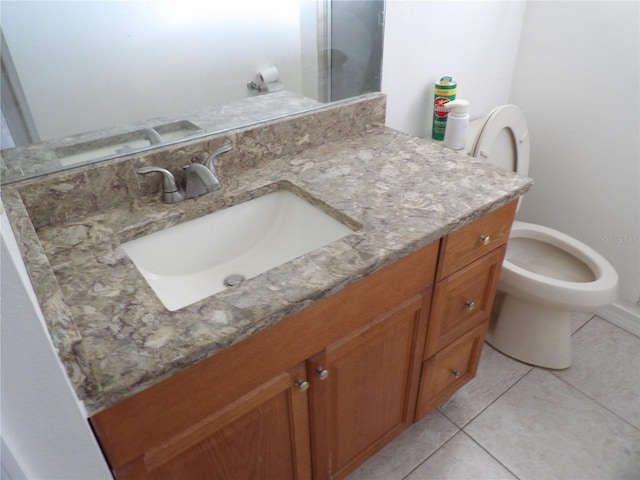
[171, 193]
[209, 161]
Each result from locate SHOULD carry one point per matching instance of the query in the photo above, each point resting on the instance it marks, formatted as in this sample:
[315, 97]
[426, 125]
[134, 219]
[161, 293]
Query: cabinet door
[370, 390]
[263, 435]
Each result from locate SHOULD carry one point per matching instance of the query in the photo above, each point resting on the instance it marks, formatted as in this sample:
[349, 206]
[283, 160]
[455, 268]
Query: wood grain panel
[463, 246]
[370, 395]
[450, 369]
[263, 435]
[452, 312]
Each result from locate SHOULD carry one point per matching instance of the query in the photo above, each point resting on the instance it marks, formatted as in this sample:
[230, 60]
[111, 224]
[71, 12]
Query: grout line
[616, 326]
[491, 455]
[531, 367]
[432, 454]
[497, 398]
[585, 394]
[584, 324]
[554, 372]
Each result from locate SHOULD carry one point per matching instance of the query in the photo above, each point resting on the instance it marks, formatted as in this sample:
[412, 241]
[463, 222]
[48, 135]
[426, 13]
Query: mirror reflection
[85, 81]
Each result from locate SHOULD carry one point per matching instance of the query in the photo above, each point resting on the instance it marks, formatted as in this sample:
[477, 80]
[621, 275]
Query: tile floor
[514, 421]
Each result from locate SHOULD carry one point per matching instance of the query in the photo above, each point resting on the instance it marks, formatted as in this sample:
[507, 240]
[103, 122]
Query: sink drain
[233, 280]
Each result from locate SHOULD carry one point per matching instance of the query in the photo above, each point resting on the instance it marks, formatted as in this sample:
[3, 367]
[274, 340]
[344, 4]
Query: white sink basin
[188, 262]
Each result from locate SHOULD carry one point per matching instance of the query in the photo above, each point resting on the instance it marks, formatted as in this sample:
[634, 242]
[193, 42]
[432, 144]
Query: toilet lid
[504, 139]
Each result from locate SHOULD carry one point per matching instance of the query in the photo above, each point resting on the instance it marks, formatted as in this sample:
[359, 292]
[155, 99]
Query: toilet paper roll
[269, 75]
[269, 80]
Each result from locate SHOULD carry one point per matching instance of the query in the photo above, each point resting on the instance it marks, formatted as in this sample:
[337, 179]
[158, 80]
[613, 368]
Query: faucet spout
[199, 180]
[153, 135]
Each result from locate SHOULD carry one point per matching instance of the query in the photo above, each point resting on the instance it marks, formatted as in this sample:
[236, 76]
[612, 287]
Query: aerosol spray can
[445, 91]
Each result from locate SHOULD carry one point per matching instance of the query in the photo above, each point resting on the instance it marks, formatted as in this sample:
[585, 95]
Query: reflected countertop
[59, 154]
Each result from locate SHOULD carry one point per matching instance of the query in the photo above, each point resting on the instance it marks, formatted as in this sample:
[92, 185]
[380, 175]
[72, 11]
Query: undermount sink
[191, 261]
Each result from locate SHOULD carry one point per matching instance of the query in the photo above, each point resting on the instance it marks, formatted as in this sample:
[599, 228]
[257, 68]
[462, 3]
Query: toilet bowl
[546, 274]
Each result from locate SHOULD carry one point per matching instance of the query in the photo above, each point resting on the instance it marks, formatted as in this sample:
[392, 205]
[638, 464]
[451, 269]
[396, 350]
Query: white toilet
[546, 274]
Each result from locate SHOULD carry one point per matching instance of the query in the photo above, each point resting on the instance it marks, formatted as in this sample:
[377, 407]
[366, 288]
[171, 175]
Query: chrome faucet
[197, 179]
[153, 136]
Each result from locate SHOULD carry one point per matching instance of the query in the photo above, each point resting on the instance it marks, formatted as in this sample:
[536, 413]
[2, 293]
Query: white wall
[90, 65]
[577, 80]
[45, 435]
[475, 42]
[573, 68]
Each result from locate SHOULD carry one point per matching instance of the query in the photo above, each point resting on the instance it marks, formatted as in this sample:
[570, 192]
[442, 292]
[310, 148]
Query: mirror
[87, 81]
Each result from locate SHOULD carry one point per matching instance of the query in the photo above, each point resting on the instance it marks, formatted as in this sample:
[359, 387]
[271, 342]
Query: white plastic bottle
[455, 136]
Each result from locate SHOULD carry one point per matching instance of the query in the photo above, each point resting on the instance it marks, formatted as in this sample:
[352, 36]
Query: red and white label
[438, 106]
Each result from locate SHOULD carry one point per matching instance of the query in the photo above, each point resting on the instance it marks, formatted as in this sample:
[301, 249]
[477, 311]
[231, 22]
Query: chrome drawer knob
[302, 385]
[485, 239]
[322, 372]
[456, 373]
[470, 304]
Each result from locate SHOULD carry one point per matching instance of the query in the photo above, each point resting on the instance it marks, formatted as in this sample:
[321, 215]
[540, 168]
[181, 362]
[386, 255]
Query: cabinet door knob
[470, 304]
[485, 239]
[302, 385]
[456, 373]
[322, 372]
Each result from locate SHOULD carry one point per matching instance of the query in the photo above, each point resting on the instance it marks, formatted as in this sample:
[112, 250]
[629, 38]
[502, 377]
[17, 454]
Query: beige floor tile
[461, 459]
[496, 373]
[578, 320]
[544, 428]
[407, 451]
[606, 367]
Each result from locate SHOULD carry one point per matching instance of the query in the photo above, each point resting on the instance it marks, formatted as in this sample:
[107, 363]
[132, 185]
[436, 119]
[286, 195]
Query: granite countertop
[40, 158]
[404, 192]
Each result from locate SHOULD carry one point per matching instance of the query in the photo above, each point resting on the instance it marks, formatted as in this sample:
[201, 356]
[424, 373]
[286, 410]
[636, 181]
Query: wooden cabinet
[467, 278]
[263, 434]
[316, 394]
[369, 394]
[220, 416]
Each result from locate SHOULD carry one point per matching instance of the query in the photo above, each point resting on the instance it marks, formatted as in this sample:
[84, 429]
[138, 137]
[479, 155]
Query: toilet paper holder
[267, 80]
[257, 87]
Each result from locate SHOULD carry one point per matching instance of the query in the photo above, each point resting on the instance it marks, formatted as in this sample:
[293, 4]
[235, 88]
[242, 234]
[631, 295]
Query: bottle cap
[458, 107]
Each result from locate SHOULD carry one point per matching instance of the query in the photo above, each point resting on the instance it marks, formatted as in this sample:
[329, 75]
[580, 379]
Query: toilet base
[530, 332]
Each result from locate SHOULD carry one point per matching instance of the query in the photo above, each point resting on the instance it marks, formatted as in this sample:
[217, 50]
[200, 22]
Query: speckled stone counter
[42, 158]
[113, 334]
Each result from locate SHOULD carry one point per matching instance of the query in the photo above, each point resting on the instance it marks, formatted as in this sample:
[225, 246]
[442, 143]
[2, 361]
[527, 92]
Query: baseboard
[622, 316]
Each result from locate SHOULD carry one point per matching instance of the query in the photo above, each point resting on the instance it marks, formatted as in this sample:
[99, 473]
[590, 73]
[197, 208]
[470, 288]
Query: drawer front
[463, 246]
[462, 300]
[450, 369]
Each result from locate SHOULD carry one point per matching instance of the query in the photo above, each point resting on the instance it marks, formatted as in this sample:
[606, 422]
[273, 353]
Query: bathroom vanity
[305, 370]
[316, 394]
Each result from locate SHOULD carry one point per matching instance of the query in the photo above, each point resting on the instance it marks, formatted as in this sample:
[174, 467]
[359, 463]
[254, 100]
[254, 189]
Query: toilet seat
[507, 119]
[570, 295]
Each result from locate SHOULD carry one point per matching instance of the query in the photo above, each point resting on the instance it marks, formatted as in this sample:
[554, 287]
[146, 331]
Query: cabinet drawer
[450, 369]
[474, 240]
[462, 300]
